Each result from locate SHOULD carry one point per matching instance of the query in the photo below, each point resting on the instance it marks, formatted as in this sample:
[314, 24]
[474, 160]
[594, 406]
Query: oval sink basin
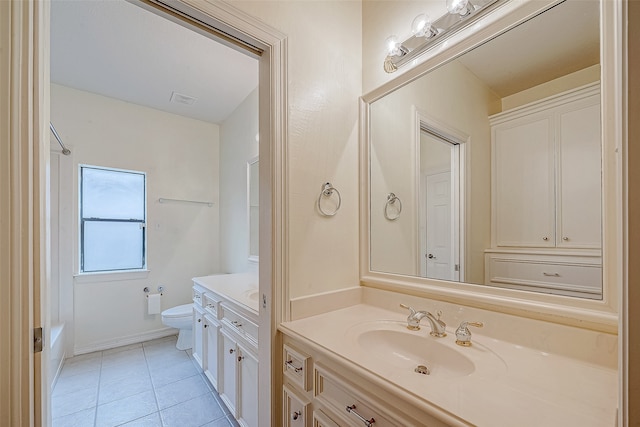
[384, 344]
[408, 351]
[252, 295]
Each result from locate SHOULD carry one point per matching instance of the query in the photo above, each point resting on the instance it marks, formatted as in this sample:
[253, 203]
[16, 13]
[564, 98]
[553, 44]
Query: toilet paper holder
[146, 290]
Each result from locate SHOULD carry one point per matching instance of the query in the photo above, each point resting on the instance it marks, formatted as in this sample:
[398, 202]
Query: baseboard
[122, 341]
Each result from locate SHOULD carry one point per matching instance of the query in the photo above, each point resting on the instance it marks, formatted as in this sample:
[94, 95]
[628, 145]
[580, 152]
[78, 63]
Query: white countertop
[240, 287]
[511, 386]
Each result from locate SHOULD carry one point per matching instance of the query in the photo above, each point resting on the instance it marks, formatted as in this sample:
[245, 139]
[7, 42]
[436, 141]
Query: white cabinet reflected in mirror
[253, 207]
[496, 158]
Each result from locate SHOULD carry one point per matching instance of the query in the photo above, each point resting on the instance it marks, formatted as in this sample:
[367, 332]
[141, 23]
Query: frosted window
[113, 215]
[113, 246]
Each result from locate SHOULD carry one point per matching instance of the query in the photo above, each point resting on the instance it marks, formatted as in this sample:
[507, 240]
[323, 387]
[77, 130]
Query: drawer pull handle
[296, 415]
[236, 323]
[366, 422]
[551, 274]
[240, 358]
[290, 364]
[205, 325]
[545, 238]
[231, 351]
[196, 296]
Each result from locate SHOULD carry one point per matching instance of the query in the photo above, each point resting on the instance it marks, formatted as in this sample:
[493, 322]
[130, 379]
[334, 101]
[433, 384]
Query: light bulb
[421, 26]
[393, 45]
[458, 7]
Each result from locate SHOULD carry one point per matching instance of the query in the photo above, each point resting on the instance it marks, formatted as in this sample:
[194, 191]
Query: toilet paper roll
[153, 303]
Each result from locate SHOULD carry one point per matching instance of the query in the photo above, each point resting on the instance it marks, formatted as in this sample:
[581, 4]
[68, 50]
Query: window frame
[82, 221]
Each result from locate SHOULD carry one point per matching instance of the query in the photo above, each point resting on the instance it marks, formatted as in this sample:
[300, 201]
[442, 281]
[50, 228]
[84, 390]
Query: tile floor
[152, 384]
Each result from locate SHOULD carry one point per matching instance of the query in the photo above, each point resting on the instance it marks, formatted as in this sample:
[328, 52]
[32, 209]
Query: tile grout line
[153, 385]
[95, 408]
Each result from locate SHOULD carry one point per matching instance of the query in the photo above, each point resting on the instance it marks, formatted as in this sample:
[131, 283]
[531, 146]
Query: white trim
[111, 276]
[122, 341]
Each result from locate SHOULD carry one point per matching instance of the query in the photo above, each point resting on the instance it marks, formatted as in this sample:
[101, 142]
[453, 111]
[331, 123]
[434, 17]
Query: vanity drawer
[239, 323]
[295, 409]
[320, 419]
[567, 276]
[296, 367]
[211, 302]
[198, 293]
[342, 398]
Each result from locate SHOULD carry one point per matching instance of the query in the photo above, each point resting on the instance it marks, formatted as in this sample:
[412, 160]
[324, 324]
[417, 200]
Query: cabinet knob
[296, 415]
[205, 325]
[199, 320]
[545, 238]
[240, 358]
[565, 238]
[231, 351]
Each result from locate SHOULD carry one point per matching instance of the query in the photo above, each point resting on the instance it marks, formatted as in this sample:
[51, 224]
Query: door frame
[423, 121]
[24, 204]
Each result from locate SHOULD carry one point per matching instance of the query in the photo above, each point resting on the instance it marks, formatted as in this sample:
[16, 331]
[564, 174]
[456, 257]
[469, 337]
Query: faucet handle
[463, 334]
[408, 308]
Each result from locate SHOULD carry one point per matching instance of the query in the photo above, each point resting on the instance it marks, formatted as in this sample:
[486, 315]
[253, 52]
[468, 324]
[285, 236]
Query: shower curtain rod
[65, 150]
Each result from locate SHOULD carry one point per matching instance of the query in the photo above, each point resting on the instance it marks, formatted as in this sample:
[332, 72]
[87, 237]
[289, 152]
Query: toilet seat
[185, 310]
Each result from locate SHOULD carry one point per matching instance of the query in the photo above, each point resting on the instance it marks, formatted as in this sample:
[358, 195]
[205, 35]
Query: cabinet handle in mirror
[236, 323]
[199, 320]
[231, 351]
[545, 238]
[296, 415]
[351, 410]
[551, 274]
[205, 325]
[240, 358]
[431, 256]
[290, 364]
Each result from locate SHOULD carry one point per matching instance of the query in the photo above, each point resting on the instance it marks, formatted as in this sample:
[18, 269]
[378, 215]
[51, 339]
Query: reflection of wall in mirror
[455, 97]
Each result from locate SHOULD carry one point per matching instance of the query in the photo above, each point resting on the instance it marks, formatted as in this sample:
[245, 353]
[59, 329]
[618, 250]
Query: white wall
[324, 82]
[238, 144]
[180, 158]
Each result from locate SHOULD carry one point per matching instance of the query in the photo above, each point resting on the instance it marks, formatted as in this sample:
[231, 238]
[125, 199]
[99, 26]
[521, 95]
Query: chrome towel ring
[391, 200]
[327, 191]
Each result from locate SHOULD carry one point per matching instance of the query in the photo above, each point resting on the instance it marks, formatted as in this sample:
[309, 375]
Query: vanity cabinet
[546, 196]
[320, 390]
[226, 344]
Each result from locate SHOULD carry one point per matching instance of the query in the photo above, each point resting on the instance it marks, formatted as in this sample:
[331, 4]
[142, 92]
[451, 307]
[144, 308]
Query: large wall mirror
[487, 169]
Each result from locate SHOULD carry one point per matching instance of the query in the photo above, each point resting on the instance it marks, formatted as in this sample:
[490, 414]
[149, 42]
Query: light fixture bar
[443, 27]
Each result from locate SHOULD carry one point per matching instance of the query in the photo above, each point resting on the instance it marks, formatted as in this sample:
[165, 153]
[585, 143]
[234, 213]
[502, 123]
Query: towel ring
[391, 200]
[327, 191]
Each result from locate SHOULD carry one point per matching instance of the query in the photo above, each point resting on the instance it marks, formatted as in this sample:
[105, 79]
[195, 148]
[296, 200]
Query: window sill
[111, 276]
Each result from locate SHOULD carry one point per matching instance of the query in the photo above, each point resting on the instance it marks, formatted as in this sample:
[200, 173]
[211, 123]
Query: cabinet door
[247, 387]
[580, 175]
[523, 182]
[198, 334]
[227, 378]
[212, 328]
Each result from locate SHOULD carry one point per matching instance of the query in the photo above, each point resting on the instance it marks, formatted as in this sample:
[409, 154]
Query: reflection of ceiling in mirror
[565, 41]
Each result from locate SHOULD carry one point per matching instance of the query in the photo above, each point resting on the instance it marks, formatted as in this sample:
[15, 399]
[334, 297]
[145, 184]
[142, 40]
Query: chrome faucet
[414, 318]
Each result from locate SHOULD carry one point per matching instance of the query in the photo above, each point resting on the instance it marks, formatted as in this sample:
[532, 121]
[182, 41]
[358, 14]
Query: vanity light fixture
[425, 32]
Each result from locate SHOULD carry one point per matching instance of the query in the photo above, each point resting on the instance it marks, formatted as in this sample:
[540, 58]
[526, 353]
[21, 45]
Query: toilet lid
[179, 311]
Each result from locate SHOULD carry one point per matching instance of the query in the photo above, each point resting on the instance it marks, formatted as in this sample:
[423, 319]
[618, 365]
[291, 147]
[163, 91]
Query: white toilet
[181, 318]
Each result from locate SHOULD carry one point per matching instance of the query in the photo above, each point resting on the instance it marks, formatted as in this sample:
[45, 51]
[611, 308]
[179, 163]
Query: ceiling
[117, 49]
[539, 50]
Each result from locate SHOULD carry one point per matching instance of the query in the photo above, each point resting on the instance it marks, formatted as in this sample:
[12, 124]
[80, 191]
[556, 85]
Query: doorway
[440, 204]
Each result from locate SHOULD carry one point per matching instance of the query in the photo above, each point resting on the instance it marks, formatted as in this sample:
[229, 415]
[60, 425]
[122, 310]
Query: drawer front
[294, 410]
[297, 367]
[198, 293]
[343, 399]
[240, 324]
[210, 303]
[554, 275]
[320, 419]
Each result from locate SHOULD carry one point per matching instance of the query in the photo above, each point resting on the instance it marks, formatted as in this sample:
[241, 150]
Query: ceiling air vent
[179, 98]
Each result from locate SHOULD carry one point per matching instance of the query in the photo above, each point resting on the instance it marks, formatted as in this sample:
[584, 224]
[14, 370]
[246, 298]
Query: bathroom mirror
[253, 207]
[487, 169]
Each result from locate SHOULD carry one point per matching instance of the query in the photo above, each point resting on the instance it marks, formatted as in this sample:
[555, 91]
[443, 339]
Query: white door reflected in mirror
[253, 207]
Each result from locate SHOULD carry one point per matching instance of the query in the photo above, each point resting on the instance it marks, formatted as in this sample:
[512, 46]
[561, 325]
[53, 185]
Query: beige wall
[324, 83]
[393, 166]
[180, 158]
